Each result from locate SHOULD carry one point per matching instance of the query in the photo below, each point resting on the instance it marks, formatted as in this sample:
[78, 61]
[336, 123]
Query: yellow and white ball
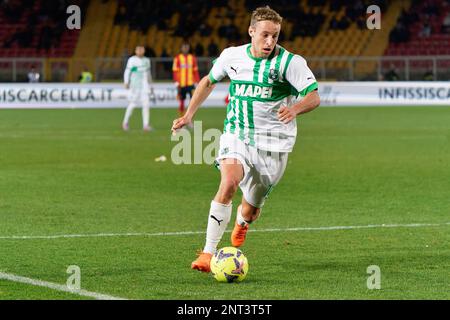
[229, 264]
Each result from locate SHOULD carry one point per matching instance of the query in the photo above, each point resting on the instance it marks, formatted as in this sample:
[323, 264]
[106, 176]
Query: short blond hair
[265, 14]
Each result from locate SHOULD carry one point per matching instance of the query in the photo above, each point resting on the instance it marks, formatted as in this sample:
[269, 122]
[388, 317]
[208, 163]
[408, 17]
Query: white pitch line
[56, 286]
[181, 233]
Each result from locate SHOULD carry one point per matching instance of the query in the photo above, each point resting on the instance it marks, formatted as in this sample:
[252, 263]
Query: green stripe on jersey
[241, 119]
[280, 56]
[251, 123]
[230, 120]
[227, 121]
[256, 70]
[265, 78]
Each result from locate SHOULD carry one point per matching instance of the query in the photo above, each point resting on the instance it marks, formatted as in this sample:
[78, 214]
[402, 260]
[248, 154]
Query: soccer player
[185, 75]
[269, 88]
[138, 79]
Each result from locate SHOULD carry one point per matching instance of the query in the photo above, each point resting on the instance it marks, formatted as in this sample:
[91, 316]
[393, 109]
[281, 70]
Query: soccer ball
[229, 265]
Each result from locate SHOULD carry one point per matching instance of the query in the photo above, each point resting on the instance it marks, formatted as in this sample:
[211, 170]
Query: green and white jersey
[137, 72]
[259, 87]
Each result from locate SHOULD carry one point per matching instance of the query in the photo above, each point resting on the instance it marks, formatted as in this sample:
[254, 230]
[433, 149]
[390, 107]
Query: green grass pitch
[68, 172]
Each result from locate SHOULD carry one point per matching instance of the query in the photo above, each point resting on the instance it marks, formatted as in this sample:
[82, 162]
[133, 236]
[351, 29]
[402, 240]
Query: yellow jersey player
[185, 75]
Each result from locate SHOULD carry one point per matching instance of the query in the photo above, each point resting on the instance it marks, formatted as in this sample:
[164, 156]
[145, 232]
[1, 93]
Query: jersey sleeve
[300, 76]
[218, 71]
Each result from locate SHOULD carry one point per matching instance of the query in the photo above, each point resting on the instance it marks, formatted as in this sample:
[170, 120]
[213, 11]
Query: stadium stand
[36, 28]
[421, 30]
[307, 25]
[331, 33]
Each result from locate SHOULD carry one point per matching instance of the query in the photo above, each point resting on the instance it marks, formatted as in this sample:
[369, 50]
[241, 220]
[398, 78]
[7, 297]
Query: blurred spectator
[361, 23]
[446, 24]
[149, 52]
[46, 37]
[86, 76]
[229, 31]
[13, 10]
[343, 23]
[399, 34]
[333, 23]
[408, 18]
[336, 5]
[426, 30]
[33, 76]
[431, 9]
[306, 24]
[121, 15]
[213, 49]
[167, 65]
[205, 30]
[199, 51]
[23, 38]
[428, 76]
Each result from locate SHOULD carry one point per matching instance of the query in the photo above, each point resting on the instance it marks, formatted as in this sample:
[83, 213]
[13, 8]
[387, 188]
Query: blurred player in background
[138, 79]
[185, 75]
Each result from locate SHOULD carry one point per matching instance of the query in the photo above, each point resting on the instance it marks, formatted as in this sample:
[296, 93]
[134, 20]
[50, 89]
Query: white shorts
[262, 169]
[139, 96]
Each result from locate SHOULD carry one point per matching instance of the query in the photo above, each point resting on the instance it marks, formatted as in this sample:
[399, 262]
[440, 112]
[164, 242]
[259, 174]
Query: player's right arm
[204, 89]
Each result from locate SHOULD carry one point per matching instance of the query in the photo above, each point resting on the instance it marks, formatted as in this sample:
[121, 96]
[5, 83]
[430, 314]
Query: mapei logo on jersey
[250, 90]
[274, 74]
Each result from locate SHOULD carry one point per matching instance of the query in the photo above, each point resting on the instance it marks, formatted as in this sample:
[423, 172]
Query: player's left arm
[302, 79]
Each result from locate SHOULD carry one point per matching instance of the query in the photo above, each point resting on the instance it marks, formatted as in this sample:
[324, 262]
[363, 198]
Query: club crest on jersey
[274, 74]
